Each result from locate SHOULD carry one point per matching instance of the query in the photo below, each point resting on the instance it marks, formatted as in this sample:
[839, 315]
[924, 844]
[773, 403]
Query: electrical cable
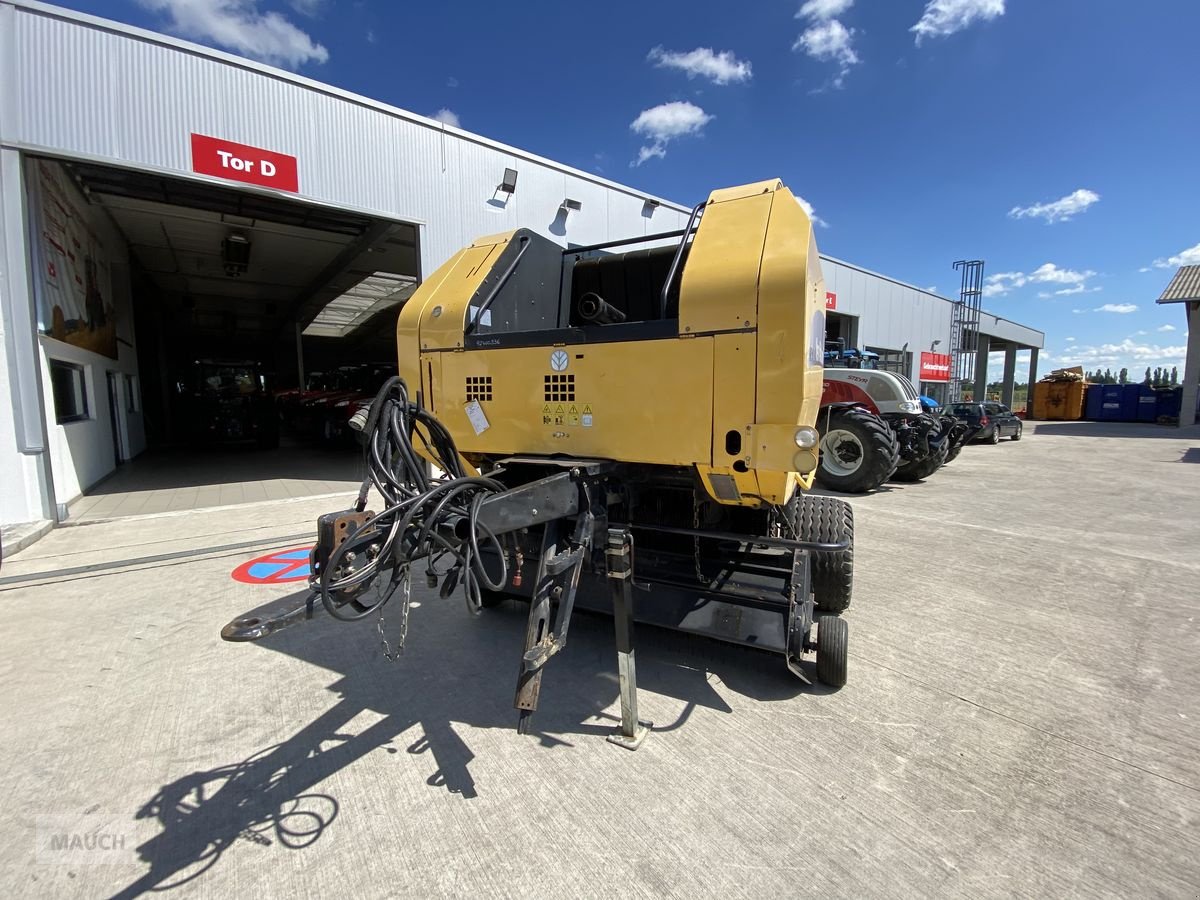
[423, 516]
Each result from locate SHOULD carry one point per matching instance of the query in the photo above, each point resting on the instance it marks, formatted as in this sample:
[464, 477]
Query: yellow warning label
[587, 409]
[573, 420]
[559, 411]
[546, 410]
[573, 411]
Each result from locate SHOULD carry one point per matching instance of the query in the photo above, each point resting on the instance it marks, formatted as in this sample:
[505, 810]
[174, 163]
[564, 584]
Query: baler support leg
[619, 554]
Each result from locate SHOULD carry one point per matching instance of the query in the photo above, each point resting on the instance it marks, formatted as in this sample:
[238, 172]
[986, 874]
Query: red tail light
[983, 420]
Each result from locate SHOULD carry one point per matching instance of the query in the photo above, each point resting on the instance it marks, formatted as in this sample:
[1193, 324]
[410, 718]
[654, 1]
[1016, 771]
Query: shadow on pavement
[1191, 455]
[453, 671]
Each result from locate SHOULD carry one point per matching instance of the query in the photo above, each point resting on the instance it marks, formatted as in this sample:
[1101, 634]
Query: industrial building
[162, 202]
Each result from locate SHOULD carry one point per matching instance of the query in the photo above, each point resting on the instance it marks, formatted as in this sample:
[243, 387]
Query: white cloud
[830, 42]
[1070, 340]
[447, 117]
[1122, 308]
[1188, 257]
[664, 123]
[826, 39]
[1060, 210]
[932, 289]
[451, 82]
[307, 7]
[719, 68]
[1078, 311]
[238, 25]
[1166, 327]
[1048, 273]
[1144, 269]
[943, 18]
[812, 213]
[823, 9]
[1129, 352]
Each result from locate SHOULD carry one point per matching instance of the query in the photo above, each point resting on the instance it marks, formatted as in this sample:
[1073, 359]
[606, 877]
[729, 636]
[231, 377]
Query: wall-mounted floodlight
[652, 203]
[571, 205]
[933, 346]
[509, 184]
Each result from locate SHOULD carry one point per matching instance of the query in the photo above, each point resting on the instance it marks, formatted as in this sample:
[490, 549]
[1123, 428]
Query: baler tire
[833, 635]
[831, 573]
[881, 451]
[921, 469]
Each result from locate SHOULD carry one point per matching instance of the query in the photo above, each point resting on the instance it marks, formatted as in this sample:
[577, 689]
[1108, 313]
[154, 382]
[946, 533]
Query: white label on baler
[478, 420]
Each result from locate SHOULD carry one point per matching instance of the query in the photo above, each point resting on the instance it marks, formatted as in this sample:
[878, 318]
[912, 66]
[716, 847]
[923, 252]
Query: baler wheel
[829, 520]
[833, 635]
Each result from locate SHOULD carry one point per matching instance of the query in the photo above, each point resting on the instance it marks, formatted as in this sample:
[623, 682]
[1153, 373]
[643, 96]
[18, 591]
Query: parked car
[993, 420]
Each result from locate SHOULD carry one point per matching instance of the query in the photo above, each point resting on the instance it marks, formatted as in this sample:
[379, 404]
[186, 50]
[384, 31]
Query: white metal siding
[134, 99]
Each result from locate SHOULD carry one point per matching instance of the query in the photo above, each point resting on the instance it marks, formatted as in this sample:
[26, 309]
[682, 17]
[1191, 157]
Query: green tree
[1174, 376]
[1108, 377]
[1123, 378]
[1146, 380]
[1157, 376]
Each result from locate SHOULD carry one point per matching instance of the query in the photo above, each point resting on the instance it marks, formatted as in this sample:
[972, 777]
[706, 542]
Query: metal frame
[964, 326]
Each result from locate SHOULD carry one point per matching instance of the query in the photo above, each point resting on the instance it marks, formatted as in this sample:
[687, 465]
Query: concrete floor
[1021, 717]
[180, 479]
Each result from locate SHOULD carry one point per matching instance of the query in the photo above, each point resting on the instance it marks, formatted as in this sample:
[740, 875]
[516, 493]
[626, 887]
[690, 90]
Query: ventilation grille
[479, 388]
[560, 387]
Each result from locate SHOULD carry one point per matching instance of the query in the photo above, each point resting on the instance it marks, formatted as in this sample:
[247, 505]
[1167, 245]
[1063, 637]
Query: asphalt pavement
[1021, 716]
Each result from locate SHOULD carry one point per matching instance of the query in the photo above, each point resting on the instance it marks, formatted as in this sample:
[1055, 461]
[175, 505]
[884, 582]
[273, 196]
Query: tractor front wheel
[859, 451]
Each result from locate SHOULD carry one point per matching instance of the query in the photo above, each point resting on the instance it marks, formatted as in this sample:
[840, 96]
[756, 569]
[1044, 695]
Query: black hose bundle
[425, 518]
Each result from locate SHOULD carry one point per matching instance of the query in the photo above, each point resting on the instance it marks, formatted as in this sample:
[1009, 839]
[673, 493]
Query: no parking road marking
[279, 567]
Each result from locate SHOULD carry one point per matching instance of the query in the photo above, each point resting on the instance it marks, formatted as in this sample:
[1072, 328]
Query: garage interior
[236, 275]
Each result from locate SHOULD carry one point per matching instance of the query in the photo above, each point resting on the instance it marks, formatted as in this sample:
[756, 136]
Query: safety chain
[392, 656]
[696, 540]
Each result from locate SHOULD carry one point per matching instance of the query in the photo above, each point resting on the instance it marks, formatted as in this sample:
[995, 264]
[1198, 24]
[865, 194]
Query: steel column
[983, 348]
[1010, 374]
[1191, 368]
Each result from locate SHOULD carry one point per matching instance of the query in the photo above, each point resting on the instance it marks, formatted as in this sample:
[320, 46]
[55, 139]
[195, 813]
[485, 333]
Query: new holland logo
[559, 360]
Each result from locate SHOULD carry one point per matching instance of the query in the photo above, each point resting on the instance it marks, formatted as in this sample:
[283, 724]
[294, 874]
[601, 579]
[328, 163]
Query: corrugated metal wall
[78, 88]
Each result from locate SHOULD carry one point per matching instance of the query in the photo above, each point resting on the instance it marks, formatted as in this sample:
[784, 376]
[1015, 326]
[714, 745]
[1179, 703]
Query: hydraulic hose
[423, 515]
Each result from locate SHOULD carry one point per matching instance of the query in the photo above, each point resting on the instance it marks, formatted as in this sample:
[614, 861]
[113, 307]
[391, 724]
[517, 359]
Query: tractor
[626, 427]
[875, 427]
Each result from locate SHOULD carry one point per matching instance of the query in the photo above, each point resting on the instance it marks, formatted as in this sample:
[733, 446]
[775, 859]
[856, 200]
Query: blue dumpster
[1170, 402]
[1146, 398]
[1112, 402]
[1092, 402]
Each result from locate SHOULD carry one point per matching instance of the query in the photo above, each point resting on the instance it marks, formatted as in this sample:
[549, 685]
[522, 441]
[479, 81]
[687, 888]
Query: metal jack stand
[619, 554]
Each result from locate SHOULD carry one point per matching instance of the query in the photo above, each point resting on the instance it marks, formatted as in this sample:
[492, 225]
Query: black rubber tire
[1017, 436]
[833, 635]
[882, 451]
[828, 520]
[923, 468]
[953, 454]
[995, 438]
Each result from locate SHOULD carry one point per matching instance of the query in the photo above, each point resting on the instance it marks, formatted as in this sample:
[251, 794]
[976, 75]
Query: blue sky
[1056, 139]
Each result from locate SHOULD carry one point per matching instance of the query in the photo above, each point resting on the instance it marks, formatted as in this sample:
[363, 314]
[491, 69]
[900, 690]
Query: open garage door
[244, 303]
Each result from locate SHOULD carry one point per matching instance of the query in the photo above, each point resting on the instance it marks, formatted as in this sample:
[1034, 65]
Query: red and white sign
[935, 366]
[830, 300]
[241, 162]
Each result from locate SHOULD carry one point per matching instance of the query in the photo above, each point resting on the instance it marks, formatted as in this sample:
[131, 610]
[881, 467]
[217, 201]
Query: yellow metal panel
[719, 291]
[408, 322]
[635, 401]
[791, 319]
[733, 394]
[745, 190]
[444, 317]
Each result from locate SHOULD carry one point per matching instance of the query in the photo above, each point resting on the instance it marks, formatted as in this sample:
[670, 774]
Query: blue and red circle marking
[279, 567]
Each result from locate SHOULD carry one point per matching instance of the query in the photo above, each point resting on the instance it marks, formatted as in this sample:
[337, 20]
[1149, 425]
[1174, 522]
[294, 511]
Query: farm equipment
[611, 423]
[874, 427]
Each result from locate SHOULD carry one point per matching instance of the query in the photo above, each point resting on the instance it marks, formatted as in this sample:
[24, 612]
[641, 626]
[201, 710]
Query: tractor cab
[839, 356]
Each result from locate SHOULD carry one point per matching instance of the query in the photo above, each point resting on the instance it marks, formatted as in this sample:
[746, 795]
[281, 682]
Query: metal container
[1145, 399]
[1093, 402]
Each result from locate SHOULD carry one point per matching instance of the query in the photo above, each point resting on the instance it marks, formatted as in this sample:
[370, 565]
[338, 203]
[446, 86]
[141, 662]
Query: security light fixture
[235, 253]
[652, 204]
[934, 345]
[570, 205]
[509, 183]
